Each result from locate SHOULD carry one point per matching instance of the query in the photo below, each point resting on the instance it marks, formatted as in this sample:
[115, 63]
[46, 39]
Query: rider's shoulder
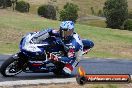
[76, 36]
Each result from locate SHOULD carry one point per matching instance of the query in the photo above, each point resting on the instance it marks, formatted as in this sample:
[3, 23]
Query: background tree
[130, 15]
[47, 11]
[70, 12]
[92, 10]
[116, 13]
[5, 3]
[100, 13]
[22, 6]
[13, 4]
[1, 3]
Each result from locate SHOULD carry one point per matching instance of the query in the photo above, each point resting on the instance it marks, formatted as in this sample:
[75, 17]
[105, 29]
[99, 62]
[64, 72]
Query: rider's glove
[86, 51]
[53, 57]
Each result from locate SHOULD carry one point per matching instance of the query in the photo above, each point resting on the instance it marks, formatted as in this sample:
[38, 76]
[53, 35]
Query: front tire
[10, 67]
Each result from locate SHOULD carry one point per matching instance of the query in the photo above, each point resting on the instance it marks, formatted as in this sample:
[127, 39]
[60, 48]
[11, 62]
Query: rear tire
[9, 68]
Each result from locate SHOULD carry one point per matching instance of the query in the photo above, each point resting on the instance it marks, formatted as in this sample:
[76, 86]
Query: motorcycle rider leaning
[72, 44]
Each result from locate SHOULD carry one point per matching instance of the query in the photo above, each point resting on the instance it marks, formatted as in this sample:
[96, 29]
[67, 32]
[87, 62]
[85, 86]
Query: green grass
[110, 43]
[96, 23]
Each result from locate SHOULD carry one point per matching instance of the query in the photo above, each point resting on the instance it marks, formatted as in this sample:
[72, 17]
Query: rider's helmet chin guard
[66, 30]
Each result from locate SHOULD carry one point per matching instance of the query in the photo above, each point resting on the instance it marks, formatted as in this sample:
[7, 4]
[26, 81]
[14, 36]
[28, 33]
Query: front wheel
[10, 67]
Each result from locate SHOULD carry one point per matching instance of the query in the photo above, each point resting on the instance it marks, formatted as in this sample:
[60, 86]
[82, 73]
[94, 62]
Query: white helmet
[66, 29]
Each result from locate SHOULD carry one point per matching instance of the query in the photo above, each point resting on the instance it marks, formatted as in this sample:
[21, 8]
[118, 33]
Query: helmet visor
[65, 34]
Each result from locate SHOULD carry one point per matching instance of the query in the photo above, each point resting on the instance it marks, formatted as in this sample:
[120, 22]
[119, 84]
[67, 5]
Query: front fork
[21, 58]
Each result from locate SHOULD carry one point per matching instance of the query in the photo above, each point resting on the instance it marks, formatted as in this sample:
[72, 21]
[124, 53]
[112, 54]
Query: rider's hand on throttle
[53, 57]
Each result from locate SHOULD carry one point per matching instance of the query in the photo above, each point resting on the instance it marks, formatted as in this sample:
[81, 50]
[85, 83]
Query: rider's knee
[67, 70]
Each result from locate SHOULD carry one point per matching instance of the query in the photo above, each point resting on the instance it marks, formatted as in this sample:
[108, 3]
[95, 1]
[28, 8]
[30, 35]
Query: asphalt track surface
[91, 66]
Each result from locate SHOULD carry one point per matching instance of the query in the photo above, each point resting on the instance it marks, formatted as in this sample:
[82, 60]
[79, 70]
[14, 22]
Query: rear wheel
[10, 67]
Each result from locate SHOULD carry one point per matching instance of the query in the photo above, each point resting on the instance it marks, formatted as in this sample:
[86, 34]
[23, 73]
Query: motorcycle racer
[69, 39]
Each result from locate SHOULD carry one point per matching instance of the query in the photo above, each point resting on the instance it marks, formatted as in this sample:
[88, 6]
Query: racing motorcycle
[35, 59]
